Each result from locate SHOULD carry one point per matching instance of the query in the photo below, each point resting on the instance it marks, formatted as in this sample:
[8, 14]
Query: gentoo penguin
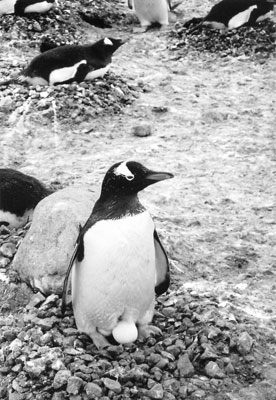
[235, 13]
[19, 194]
[69, 63]
[21, 7]
[119, 262]
[150, 12]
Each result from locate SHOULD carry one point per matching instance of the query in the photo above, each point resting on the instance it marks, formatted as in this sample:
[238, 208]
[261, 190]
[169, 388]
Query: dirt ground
[213, 126]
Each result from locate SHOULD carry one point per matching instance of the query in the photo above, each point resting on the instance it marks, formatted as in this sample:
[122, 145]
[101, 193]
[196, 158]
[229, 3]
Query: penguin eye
[130, 177]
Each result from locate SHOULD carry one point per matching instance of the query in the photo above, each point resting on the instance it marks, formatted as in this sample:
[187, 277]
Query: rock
[184, 366]
[35, 367]
[213, 370]
[36, 300]
[15, 345]
[74, 385]
[4, 262]
[93, 390]
[8, 249]
[113, 385]
[43, 256]
[198, 394]
[141, 130]
[244, 343]
[156, 392]
[61, 378]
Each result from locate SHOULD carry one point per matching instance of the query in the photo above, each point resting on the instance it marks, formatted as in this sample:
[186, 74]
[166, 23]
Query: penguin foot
[164, 27]
[99, 340]
[145, 331]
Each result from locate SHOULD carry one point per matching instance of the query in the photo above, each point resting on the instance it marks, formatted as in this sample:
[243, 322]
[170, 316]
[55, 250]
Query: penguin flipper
[161, 266]
[77, 249]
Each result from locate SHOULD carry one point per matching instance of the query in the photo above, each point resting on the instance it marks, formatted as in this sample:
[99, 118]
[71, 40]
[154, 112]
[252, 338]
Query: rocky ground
[205, 104]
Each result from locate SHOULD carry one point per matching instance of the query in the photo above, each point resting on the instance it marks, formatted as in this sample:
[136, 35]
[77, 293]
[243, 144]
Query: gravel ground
[202, 352]
[258, 42]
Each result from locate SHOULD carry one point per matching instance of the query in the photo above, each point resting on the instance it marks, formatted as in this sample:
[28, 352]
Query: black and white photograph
[137, 199]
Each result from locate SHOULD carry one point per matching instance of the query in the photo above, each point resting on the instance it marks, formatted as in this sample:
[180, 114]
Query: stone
[184, 366]
[44, 254]
[113, 385]
[61, 378]
[93, 390]
[244, 343]
[36, 300]
[213, 370]
[141, 130]
[156, 392]
[4, 262]
[74, 385]
[8, 249]
[35, 367]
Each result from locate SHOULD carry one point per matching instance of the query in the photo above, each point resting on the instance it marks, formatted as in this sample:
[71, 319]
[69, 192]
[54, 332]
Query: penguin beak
[153, 176]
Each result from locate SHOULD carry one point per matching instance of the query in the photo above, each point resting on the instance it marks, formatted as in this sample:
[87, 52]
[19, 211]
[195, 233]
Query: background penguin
[232, 14]
[21, 7]
[69, 63]
[119, 262]
[19, 194]
[150, 12]
[235, 13]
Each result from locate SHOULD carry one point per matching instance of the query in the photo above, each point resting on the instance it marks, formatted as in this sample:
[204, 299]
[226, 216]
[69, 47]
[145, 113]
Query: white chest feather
[117, 273]
[241, 18]
[64, 74]
[7, 6]
[40, 7]
[13, 220]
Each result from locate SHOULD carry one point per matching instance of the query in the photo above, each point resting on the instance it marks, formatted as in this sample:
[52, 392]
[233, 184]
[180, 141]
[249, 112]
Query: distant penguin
[151, 12]
[21, 7]
[235, 13]
[119, 262]
[19, 195]
[69, 63]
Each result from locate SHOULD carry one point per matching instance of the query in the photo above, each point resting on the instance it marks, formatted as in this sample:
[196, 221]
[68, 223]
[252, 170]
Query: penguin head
[107, 46]
[129, 177]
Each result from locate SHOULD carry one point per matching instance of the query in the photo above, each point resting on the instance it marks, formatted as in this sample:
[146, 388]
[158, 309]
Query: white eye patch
[108, 42]
[123, 170]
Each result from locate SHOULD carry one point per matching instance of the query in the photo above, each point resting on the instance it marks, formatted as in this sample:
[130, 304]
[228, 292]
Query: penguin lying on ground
[151, 12]
[119, 262]
[69, 63]
[232, 14]
[21, 7]
[19, 195]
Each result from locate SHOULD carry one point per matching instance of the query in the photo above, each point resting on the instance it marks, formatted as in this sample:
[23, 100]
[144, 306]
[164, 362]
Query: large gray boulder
[44, 254]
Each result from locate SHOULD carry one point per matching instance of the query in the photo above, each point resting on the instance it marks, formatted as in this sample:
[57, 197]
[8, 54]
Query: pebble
[93, 390]
[113, 385]
[156, 392]
[141, 130]
[8, 249]
[244, 343]
[74, 385]
[61, 378]
[35, 367]
[4, 262]
[184, 366]
[213, 370]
